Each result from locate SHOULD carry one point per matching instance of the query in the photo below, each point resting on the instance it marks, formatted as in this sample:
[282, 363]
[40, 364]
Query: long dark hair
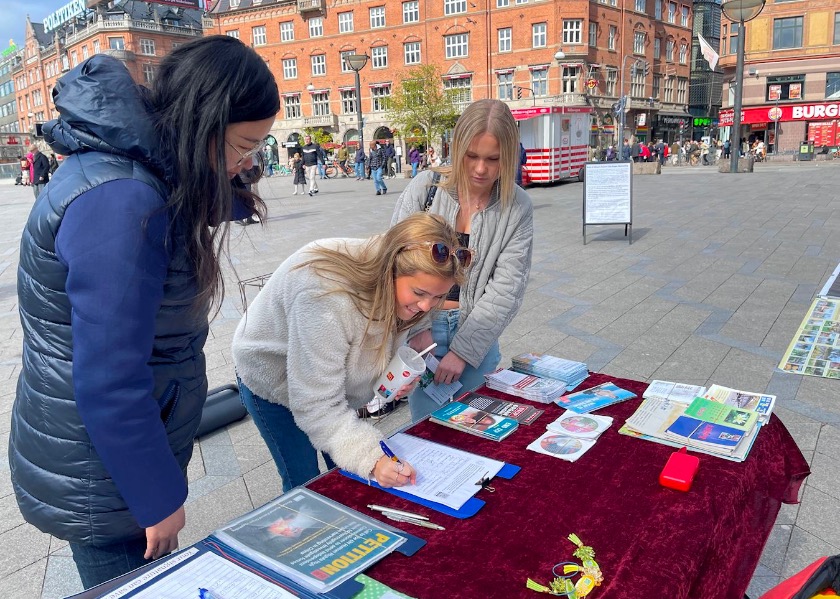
[200, 89]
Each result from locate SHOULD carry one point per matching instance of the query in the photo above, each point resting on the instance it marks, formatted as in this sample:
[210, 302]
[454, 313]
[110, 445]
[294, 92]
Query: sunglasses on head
[441, 252]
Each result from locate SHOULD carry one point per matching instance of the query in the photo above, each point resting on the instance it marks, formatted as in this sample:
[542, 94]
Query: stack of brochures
[571, 435]
[471, 420]
[723, 422]
[522, 413]
[594, 398]
[526, 386]
[570, 372]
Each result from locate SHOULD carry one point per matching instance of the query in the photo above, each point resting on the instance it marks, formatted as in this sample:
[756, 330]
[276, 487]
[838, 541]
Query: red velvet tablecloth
[649, 541]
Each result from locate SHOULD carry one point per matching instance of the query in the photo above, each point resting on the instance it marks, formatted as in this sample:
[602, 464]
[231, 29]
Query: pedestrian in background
[398, 154]
[40, 170]
[119, 270]
[493, 217]
[299, 172]
[24, 170]
[522, 158]
[414, 160]
[342, 155]
[359, 161]
[388, 152]
[320, 333]
[53, 164]
[310, 152]
[377, 165]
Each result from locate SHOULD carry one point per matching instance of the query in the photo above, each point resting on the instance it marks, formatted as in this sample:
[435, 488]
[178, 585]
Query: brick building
[791, 75]
[11, 141]
[138, 33]
[484, 48]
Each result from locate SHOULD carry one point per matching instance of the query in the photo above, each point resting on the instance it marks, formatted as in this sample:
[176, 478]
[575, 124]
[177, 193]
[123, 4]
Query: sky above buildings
[13, 17]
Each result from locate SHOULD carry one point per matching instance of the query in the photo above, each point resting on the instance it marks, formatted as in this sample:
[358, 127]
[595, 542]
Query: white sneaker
[377, 408]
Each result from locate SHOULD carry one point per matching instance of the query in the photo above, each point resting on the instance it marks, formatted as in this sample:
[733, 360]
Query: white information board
[608, 195]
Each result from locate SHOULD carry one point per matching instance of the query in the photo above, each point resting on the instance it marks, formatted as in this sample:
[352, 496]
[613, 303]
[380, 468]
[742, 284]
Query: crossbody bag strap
[430, 197]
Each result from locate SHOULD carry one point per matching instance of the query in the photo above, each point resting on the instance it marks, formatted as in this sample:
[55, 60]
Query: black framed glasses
[441, 252]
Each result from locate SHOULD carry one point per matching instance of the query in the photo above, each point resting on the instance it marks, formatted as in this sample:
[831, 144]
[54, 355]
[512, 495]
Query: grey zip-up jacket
[502, 239]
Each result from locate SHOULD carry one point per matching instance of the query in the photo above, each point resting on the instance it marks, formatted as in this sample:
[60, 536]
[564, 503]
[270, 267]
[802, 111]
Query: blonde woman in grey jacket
[323, 328]
[477, 195]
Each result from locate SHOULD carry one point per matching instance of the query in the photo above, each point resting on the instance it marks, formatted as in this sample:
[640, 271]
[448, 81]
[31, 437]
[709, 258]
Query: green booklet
[718, 413]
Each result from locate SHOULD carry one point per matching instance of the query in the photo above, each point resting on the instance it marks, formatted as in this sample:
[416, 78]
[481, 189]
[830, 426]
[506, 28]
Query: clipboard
[469, 509]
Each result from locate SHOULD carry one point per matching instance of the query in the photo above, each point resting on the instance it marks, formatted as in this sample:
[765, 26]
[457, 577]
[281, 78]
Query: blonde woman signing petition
[324, 328]
[493, 216]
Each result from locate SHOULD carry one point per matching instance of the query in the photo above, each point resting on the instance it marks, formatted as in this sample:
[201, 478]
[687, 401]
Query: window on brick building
[538, 35]
[147, 47]
[637, 84]
[321, 103]
[684, 16]
[380, 98]
[837, 28]
[379, 57]
[258, 35]
[148, 73]
[377, 17]
[669, 50]
[571, 77]
[287, 31]
[657, 86]
[234, 33]
[316, 27]
[640, 5]
[505, 35]
[612, 36]
[291, 106]
[682, 90]
[348, 101]
[411, 11]
[612, 79]
[85, 52]
[460, 90]
[572, 31]
[319, 64]
[411, 52]
[832, 86]
[290, 68]
[683, 53]
[672, 12]
[669, 89]
[96, 46]
[116, 43]
[593, 35]
[502, 3]
[454, 7]
[638, 42]
[657, 9]
[345, 66]
[539, 81]
[345, 22]
[657, 47]
[457, 45]
[505, 85]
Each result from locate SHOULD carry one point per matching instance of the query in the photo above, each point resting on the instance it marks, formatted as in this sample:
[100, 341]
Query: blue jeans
[360, 170]
[321, 172]
[444, 327]
[99, 564]
[414, 169]
[378, 183]
[296, 459]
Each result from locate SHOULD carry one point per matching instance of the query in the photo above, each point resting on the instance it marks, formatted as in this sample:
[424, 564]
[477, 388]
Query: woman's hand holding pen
[389, 473]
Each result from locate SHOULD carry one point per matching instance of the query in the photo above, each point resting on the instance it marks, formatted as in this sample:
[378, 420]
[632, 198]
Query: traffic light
[518, 93]
[633, 69]
[647, 69]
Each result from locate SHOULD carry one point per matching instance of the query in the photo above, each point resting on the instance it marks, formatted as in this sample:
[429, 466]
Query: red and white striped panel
[546, 165]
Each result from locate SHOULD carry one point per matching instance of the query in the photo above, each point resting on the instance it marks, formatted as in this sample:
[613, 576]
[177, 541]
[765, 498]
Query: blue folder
[470, 508]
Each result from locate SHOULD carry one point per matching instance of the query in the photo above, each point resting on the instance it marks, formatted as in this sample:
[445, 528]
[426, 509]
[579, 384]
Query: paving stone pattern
[720, 273]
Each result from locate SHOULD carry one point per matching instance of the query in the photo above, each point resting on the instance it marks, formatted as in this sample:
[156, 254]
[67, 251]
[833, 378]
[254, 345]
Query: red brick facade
[497, 46]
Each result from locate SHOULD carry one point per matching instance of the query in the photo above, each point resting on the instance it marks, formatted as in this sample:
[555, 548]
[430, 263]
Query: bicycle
[331, 170]
[282, 170]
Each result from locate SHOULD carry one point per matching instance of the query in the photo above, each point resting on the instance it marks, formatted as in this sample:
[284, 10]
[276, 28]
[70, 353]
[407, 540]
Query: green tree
[420, 101]
[319, 136]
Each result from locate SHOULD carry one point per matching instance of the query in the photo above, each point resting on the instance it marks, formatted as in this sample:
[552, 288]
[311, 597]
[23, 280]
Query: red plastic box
[679, 472]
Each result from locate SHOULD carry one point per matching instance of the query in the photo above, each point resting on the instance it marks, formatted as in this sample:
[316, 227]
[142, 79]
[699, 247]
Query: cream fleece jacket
[302, 347]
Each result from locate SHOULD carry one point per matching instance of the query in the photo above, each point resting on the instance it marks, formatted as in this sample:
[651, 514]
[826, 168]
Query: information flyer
[815, 350]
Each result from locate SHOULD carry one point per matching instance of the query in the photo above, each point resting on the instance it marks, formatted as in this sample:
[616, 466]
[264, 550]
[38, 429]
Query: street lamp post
[357, 62]
[739, 11]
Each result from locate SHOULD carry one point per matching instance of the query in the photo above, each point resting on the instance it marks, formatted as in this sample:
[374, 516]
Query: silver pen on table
[424, 523]
[389, 510]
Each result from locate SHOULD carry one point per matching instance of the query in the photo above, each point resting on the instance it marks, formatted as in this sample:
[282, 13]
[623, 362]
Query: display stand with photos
[608, 196]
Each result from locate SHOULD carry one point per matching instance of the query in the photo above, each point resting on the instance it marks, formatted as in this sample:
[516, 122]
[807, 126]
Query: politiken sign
[64, 14]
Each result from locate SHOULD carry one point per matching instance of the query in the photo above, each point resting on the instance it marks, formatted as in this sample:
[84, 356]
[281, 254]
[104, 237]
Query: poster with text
[815, 350]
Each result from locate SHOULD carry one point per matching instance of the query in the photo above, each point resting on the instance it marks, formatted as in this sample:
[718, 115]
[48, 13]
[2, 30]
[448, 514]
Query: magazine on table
[471, 420]
[522, 413]
[310, 539]
[716, 438]
[761, 403]
[718, 413]
[667, 390]
[594, 398]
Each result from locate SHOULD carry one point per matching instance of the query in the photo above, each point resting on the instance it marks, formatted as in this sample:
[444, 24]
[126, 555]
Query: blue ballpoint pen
[388, 453]
[206, 594]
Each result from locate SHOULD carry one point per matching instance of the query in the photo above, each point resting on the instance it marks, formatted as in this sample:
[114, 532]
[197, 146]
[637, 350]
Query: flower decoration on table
[562, 585]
